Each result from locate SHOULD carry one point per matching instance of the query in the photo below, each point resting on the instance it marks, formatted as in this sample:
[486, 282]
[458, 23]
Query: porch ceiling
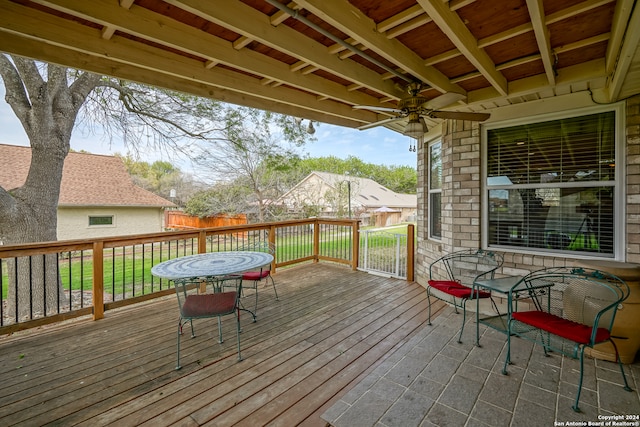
[254, 53]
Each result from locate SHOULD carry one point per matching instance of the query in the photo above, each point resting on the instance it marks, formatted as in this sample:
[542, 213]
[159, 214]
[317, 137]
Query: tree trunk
[47, 111]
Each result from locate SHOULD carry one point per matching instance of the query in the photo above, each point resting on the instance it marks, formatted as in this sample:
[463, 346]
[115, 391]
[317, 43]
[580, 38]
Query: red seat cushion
[255, 275]
[456, 289]
[564, 328]
[209, 304]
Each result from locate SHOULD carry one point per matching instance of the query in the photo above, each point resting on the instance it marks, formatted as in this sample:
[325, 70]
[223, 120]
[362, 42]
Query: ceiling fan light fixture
[416, 127]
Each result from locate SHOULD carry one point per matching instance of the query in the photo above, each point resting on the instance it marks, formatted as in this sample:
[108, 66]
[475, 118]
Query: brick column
[461, 160]
[632, 147]
[461, 192]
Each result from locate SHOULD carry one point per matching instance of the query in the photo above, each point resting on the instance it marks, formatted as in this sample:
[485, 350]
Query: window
[551, 186]
[435, 191]
[100, 220]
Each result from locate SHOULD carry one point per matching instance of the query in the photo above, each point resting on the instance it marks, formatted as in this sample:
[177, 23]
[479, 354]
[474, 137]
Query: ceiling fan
[416, 107]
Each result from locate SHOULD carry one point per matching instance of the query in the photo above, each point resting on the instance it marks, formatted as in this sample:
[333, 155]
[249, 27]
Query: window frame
[112, 225]
[619, 230]
[432, 191]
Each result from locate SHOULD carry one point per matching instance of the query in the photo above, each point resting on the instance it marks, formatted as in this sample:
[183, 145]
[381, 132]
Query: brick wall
[633, 179]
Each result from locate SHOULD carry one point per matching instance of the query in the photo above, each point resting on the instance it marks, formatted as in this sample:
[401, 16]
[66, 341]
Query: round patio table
[211, 265]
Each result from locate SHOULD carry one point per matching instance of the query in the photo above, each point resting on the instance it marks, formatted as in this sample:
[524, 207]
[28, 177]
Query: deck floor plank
[274, 349]
[330, 327]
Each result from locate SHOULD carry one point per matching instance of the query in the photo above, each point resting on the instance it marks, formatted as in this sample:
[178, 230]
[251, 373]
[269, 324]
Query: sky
[379, 145]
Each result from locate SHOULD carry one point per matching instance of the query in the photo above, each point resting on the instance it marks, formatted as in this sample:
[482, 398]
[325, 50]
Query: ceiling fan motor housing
[412, 103]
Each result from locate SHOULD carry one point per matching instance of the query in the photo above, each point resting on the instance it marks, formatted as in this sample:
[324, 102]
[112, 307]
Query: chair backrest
[582, 295]
[466, 266]
[185, 287]
[195, 286]
[260, 246]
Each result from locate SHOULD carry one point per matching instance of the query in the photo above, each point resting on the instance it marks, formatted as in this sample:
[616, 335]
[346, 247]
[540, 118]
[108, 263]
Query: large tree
[254, 149]
[49, 100]
[47, 104]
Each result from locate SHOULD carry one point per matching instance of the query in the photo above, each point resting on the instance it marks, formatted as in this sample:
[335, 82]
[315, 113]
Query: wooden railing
[49, 282]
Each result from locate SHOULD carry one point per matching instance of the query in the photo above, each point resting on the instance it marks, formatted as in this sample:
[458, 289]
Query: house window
[551, 186]
[105, 220]
[435, 191]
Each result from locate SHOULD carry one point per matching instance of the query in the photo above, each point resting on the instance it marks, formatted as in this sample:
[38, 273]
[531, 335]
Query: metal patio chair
[452, 276]
[255, 277]
[196, 305]
[575, 313]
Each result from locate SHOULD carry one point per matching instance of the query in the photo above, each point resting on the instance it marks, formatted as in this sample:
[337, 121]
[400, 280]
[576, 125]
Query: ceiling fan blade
[370, 107]
[456, 115]
[380, 123]
[443, 100]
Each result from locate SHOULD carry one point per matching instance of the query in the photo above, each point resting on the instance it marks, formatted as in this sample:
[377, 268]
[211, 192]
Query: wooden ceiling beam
[419, 20]
[453, 27]
[158, 29]
[33, 48]
[591, 73]
[543, 39]
[399, 19]
[108, 30]
[245, 20]
[618, 30]
[532, 58]
[523, 29]
[626, 33]
[574, 10]
[62, 33]
[350, 20]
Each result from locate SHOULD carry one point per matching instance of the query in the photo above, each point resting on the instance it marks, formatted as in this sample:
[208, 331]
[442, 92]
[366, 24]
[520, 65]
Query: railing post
[410, 252]
[98, 280]
[272, 244]
[355, 227]
[202, 242]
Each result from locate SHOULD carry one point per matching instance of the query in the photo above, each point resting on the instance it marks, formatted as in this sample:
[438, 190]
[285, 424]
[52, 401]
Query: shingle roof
[369, 193]
[87, 179]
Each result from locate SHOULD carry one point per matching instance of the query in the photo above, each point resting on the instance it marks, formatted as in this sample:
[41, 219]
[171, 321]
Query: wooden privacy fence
[178, 220]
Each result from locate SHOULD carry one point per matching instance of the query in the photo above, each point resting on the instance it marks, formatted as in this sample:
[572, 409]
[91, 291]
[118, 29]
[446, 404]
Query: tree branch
[129, 101]
[15, 93]
[31, 77]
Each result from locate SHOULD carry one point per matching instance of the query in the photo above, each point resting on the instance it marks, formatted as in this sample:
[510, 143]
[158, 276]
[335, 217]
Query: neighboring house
[328, 194]
[97, 196]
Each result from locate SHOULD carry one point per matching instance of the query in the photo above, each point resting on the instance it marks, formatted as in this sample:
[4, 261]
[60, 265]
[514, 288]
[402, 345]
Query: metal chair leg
[220, 340]
[255, 309]
[429, 306]
[273, 283]
[178, 366]
[238, 330]
[575, 404]
[464, 319]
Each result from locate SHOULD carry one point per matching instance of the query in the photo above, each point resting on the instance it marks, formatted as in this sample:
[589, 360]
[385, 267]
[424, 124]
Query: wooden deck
[330, 328]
